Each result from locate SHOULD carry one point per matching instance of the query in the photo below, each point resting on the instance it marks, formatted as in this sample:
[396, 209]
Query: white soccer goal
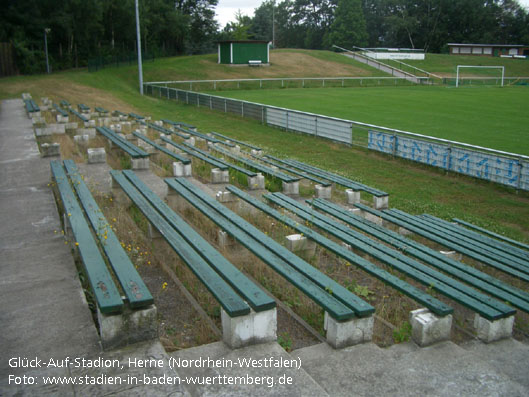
[480, 67]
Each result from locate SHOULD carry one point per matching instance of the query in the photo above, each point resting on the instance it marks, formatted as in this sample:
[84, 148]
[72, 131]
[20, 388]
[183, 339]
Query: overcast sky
[227, 8]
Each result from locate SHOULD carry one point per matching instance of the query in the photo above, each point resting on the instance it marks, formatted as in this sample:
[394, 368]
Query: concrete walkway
[43, 312]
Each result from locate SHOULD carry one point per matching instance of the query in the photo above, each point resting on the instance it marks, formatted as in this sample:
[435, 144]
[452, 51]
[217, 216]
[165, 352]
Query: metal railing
[506, 168]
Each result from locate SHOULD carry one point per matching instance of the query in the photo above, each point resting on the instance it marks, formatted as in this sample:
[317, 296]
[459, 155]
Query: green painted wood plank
[469, 274]
[432, 303]
[232, 303]
[303, 276]
[105, 291]
[433, 237]
[255, 297]
[131, 283]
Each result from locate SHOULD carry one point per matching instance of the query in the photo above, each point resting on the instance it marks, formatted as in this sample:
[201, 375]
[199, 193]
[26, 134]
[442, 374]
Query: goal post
[502, 68]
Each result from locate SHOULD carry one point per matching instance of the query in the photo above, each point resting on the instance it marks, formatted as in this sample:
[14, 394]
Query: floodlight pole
[46, 31]
[274, 24]
[138, 40]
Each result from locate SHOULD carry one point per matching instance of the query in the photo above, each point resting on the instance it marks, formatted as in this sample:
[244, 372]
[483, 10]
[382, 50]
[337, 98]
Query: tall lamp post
[46, 31]
[138, 40]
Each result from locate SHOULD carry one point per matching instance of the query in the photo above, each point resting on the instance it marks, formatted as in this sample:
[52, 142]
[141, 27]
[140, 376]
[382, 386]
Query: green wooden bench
[65, 104]
[163, 150]
[60, 111]
[339, 180]
[248, 145]
[524, 248]
[486, 306]
[192, 131]
[231, 288]
[117, 113]
[131, 283]
[132, 150]
[339, 302]
[441, 231]
[465, 273]
[79, 115]
[180, 124]
[83, 108]
[196, 153]
[257, 167]
[105, 291]
[101, 110]
[424, 232]
[31, 106]
[506, 250]
[293, 171]
[136, 116]
[416, 294]
[165, 131]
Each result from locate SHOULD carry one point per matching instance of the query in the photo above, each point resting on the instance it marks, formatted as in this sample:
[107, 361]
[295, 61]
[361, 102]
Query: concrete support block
[427, 328]
[176, 202]
[26, 95]
[346, 246]
[191, 141]
[224, 240]
[220, 176]
[256, 152]
[71, 126]
[81, 139]
[225, 197]
[452, 255]
[352, 196]
[91, 124]
[256, 182]
[251, 329]
[91, 132]
[152, 232]
[348, 333]
[291, 188]
[323, 192]
[299, 243]
[62, 119]
[490, 331]
[181, 170]
[381, 203]
[97, 155]
[372, 218]
[140, 164]
[404, 232]
[131, 326]
[50, 149]
[236, 149]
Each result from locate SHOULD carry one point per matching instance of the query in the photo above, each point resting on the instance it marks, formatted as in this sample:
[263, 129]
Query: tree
[349, 27]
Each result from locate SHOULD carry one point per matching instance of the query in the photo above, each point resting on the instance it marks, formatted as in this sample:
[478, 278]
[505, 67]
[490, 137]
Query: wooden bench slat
[483, 304]
[457, 247]
[105, 291]
[236, 141]
[432, 303]
[259, 167]
[122, 143]
[222, 161]
[161, 148]
[232, 303]
[214, 163]
[517, 265]
[305, 277]
[468, 274]
[131, 282]
[258, 300]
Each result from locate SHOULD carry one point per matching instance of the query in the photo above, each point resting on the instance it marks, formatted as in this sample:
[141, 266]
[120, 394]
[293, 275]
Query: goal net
[478, 75]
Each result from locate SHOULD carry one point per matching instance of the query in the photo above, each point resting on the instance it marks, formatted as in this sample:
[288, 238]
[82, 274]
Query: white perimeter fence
[501, 167]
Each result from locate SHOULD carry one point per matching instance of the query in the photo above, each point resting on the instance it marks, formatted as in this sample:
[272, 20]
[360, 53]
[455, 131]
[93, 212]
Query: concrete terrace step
[218, 362]
[444, 369]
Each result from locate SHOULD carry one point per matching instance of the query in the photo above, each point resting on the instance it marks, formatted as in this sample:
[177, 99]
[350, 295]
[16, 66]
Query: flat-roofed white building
[491, 50]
